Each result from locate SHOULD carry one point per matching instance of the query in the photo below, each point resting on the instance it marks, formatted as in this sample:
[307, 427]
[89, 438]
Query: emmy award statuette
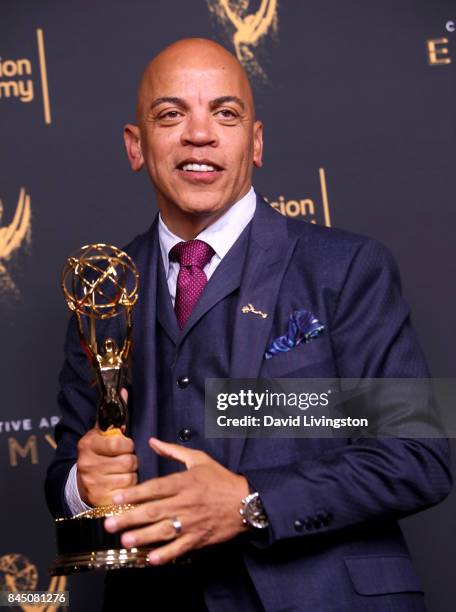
[100, 282]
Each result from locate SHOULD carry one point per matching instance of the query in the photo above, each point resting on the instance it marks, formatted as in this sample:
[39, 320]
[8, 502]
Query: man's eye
[172, 114]
[226, 113]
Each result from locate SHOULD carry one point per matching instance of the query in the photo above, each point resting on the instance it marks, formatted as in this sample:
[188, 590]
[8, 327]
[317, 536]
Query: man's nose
[199, 131]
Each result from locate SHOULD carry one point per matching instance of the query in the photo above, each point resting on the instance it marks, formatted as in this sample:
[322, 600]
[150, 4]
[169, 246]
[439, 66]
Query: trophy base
[83, 544]
[99, 560]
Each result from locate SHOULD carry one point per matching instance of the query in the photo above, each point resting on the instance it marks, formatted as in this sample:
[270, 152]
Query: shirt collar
[220, 235]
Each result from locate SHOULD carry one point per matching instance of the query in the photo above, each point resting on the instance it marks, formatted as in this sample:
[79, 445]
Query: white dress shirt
[221, 236]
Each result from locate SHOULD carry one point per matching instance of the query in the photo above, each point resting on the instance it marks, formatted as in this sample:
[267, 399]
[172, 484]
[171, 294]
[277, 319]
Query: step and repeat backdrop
[358, 101]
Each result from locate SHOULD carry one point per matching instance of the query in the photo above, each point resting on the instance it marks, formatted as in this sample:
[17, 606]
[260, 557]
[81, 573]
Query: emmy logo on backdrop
[249, 28]
[17, 574]
[12, 238]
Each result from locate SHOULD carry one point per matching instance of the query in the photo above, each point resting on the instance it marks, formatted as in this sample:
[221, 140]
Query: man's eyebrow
[183, 104]
[224, 99]
[168, 100]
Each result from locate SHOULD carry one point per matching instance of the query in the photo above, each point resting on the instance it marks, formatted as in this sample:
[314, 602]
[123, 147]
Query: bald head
[199, 54]
[196, 133]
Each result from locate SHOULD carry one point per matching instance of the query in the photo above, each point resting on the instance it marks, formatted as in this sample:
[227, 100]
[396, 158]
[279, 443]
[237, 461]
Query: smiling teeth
[198, 168]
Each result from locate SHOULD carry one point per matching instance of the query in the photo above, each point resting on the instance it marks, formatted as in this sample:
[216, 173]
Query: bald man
[318, 523]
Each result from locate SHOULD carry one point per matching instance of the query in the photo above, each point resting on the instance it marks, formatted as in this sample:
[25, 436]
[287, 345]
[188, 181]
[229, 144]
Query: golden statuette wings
[248, 28]
[12, 237]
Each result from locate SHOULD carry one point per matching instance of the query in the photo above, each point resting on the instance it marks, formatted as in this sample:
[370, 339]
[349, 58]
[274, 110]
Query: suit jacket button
[183, 382]
[185, 434]
[298, 525]
[325, 518]
[308, 523]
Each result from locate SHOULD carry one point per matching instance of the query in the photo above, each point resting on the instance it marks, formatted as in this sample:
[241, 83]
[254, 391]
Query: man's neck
[188, 226]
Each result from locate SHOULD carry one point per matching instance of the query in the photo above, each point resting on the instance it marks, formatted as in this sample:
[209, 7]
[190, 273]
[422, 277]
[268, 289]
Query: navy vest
[201, 350]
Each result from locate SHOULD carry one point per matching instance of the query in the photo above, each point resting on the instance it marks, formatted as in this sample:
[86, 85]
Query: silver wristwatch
[253, 513]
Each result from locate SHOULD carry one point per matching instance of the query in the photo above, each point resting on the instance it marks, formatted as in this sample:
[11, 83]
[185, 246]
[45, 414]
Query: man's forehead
[194, 69]
[195, 83]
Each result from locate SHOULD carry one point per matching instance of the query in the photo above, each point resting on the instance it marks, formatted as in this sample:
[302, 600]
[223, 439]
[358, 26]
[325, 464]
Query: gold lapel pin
[253, 310]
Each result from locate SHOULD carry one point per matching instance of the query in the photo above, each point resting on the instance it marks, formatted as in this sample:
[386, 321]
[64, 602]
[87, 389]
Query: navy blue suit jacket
[333, 505]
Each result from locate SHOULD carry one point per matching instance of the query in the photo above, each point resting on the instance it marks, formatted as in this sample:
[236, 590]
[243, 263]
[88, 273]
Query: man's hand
[105, 465]
[205, 499]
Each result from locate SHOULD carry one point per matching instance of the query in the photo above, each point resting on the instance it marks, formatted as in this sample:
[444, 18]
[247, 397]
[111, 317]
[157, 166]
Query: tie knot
[192, 253]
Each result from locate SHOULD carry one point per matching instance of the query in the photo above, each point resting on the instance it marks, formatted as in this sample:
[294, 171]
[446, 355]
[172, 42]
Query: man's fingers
[124, 395]
[149, 514]
[98, 491]
[156, 488]
[188, 456]
[122, 464]
[122, 481]
[108, 446]
[169, 552]
[106, 486]
[157, 532]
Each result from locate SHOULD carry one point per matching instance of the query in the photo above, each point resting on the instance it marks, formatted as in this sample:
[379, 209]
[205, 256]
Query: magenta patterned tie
[191, 280]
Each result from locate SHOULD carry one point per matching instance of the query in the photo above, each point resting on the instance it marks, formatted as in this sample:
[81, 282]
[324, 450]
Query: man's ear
[133, 146]
[258, 144]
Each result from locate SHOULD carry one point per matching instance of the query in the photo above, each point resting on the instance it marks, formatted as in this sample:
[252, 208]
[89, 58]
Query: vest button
[185, 435]
[183, 381]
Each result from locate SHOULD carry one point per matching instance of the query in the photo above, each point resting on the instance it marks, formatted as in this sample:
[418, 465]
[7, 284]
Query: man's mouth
[202, 170]
[199, 166]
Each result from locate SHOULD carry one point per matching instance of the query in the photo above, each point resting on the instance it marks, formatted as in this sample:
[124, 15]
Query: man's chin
[203, 207]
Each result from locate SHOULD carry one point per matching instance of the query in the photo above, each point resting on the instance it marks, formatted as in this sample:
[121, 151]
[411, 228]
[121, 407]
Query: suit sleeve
[77, 400]
[371, 478]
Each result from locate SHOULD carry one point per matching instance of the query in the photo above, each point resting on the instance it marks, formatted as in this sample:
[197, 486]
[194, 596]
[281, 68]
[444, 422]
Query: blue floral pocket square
[303, 326]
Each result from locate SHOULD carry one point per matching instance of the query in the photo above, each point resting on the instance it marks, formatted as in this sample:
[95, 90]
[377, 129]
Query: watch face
[254, 513]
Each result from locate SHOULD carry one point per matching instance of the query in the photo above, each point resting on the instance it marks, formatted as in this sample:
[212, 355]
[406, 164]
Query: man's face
[198, 136]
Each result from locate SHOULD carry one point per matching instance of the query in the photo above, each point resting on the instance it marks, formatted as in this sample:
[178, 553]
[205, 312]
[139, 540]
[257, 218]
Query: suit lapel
[165, 311]
[269, 253]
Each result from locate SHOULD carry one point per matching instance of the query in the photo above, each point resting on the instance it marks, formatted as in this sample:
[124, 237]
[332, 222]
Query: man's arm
[370, 478]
